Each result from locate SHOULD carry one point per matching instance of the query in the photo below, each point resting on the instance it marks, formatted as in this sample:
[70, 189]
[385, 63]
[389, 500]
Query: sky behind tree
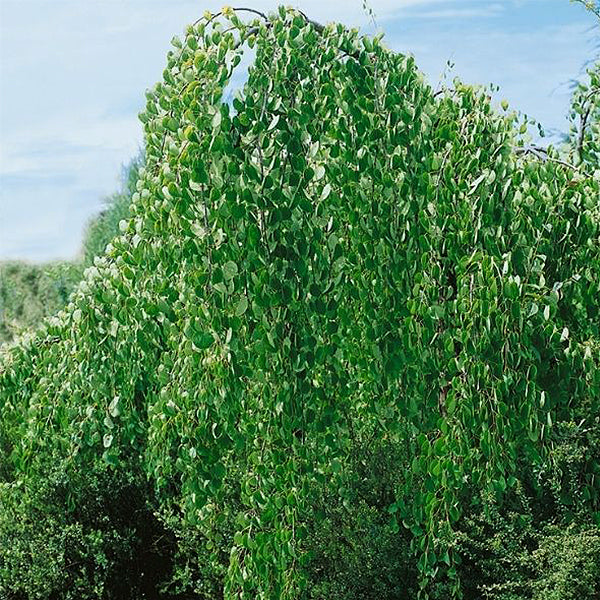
[73, 76]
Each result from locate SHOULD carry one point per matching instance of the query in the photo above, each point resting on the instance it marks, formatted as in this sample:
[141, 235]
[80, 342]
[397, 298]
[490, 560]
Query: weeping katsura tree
[339, 255]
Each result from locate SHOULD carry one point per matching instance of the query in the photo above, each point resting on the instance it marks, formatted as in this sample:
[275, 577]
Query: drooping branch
[318, 26]
[253, 30]
[589, 100]
[543, 155]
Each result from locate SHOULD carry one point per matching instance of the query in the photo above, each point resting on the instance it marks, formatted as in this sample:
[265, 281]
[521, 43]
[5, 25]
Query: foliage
[343, 256]
[542, 541]
[510, 557]
[30, 292]
[80, 536]
[354, 551]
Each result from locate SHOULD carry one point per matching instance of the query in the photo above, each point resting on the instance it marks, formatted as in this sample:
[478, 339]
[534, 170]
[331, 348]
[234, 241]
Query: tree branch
[239, 9]
[543, 155]
[584, 121]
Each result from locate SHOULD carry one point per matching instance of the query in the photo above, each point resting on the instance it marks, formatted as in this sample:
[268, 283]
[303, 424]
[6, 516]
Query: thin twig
[320, 28]
[252, 10]
[543, 155]
[584, 117]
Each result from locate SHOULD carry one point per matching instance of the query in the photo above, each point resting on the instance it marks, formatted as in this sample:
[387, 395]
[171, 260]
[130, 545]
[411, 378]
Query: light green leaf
[230, 270]
[326, 191]
[241, 306]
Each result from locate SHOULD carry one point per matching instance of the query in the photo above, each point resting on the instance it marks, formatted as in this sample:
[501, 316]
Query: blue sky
[73, 76]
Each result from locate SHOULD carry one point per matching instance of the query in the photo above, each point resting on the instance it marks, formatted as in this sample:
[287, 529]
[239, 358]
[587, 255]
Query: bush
[29, 293]
[507, 555]
[542, 541]
[567, 564]
[82, 536]
[355, 551]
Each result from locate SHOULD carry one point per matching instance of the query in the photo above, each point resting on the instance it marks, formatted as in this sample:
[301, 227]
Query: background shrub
[83, 535]
[30, 292]
[102, 228]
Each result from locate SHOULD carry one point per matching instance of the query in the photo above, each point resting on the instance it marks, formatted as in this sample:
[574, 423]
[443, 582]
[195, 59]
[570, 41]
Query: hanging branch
[589, 5]
[584, 119]
[543, 155]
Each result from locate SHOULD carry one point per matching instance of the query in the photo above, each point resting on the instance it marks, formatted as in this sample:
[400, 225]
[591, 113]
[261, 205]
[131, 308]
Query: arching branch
[543, 155]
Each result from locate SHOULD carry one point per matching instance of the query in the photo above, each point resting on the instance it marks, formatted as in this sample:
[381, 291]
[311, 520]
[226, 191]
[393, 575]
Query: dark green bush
[507, 555]
[542, 541]
[355, 552]
[83, 536]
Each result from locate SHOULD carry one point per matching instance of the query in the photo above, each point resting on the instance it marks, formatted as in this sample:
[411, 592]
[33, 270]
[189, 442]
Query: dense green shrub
[509, 555]
[354, 550]
[342, 258]
[541, 541]
[82, 535]
[30, 292]
[567, 564]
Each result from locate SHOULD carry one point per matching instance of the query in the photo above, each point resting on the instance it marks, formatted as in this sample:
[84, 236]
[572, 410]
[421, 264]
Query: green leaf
[230, 270]
[241, 306]
[203, 340]
[326, 191]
